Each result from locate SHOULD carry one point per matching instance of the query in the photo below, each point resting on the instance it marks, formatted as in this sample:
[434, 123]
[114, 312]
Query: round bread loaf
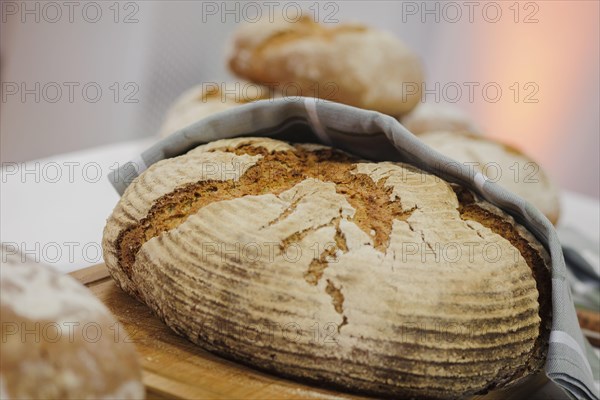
[427, 117]
[501, 163]
[350, 64]
[58, 340]
[203, 100]
[307, 262]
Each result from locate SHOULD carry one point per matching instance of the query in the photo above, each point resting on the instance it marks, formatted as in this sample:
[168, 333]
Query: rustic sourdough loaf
[203, 100]
[503, 164]
[431, 117]
[347, 63]
[307, 262]
[58, 340]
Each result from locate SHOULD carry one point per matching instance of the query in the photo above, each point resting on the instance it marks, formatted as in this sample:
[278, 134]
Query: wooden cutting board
[176, 368]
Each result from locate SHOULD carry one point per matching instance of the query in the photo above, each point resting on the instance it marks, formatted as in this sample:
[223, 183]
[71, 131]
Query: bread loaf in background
[307, 262]
[501, 163]
[303, 58]
[431, 117]
[346, 63]
[209, 98]
[58, 340]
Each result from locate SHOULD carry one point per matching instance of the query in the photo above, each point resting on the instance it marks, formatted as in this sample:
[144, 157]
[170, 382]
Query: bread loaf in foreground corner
[309, 263]
[346, 63]
[58, 340]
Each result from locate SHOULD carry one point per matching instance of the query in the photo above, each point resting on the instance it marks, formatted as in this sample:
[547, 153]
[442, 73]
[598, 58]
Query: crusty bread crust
[505, 165]
[428, 117]
[58, 340]
[350, 64]
[200, 101]
[249, 246]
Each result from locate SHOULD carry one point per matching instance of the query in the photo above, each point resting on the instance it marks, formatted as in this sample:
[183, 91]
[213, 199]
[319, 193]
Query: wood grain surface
[176, 368]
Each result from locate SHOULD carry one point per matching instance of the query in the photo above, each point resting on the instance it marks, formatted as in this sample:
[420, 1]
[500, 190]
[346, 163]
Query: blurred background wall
[93, 73]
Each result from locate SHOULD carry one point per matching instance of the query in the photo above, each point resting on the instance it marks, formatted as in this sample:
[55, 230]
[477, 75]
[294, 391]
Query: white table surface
[55, 208]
